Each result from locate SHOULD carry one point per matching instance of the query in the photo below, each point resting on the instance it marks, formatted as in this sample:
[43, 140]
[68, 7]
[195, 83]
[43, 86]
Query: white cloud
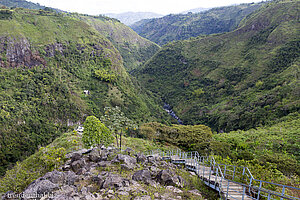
[117, 6]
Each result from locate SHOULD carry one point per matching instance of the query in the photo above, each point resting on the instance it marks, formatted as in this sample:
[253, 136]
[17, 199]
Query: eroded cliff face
[17, 52]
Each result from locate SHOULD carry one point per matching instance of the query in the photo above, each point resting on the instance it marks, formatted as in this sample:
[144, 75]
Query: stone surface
[143, 175]
[114, 181]
[89, 174]
[39, 186]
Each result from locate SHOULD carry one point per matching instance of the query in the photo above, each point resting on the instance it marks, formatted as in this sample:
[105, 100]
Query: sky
[95, 7]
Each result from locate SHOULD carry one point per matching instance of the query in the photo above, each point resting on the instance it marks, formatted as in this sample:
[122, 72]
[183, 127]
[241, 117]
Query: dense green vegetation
[134, 49]
[185, 137]
[41, 162]
[183, 26]
[278, 144]
[26, 4]
[271, 153]
[95, 133]
[42, 86]
[237, 80]
[21, 4]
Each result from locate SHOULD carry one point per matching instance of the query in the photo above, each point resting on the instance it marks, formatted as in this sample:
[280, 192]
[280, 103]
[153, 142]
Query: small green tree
[117, 122]
[96, 133]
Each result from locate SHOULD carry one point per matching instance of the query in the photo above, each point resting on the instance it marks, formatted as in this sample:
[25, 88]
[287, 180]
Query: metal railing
[232, 182]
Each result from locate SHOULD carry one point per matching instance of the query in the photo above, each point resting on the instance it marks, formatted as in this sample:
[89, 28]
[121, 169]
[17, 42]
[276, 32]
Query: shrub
[186, 137]
[96, 133]
[105, 75]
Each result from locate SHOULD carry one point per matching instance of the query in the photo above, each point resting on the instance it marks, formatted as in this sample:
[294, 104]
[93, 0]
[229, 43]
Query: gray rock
[76, 165]
[99, 180]
[71, 178]
[174, 189]
[104, 164]
[80, 152]
[75, 157]
[125, 167]
[141, 158]
[167, 177]
[81, 171]
[145, 197]
[154, 170]
[40, 187]
[143, 175]
[96, 155]
[55, 177]
[125, 159]
[129, 151]
[115, 181]
[65, 192]
[123, 193]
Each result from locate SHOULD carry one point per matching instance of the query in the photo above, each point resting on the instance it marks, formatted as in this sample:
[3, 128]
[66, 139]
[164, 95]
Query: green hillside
[47, 61]
[183, 26]
[21, 4]
[134, 49]
[238, 80]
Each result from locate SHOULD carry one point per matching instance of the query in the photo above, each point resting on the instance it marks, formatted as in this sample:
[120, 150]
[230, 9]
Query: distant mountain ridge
[130, 18]
[195, 10]
[183, 26]
[134, 49]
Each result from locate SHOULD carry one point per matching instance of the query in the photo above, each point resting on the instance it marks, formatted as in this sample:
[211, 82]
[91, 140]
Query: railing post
[258, 193]
[227, 190]
[283, 188]
[233, 172]
[244, 191]
[203, 170]
[209, 174]
[250, 185]
[225, 171]
[216, 179]
[269, 196]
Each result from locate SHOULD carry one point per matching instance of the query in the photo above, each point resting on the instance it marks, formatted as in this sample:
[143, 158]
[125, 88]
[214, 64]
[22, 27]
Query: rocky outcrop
[105, 173]
[18, 52]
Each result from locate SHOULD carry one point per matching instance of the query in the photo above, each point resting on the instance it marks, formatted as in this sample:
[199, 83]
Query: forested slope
[238, 80]
[47, 60]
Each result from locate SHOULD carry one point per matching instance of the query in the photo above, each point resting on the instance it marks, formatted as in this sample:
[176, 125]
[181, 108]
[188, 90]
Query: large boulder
[167, 177]
[143, 175]
[125, 159]
[39, 187]
[55, 177]
[78, 164]
[71, 178]
[97, 154]
[115, 181]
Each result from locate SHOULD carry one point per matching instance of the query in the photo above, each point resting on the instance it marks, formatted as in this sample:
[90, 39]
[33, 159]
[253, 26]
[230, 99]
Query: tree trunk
[116, 134]
[121, 140]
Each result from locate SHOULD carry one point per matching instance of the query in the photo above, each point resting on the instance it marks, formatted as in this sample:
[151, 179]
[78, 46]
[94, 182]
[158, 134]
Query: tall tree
[117, 122]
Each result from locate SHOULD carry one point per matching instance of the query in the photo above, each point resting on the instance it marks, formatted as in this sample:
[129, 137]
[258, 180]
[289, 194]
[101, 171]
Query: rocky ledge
[105, 173]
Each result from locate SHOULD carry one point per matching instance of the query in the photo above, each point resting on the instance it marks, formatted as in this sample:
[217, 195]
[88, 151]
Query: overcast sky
[95, 7]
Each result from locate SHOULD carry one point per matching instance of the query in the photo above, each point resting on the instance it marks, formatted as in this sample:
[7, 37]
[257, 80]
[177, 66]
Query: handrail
[212, 174]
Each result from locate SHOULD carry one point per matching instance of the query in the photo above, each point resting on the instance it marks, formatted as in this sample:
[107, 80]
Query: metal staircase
[232, 182]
